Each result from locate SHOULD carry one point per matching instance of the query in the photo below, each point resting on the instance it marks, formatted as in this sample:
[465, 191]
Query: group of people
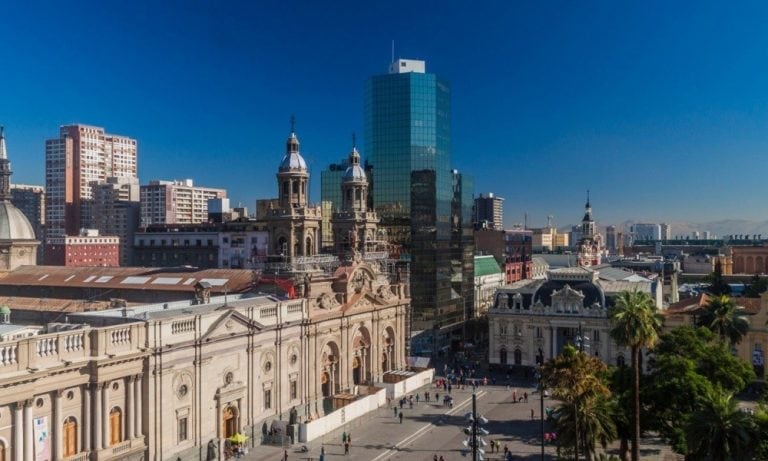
[346, 440]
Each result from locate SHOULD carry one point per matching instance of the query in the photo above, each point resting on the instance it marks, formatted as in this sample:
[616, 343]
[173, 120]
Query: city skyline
[669, 97]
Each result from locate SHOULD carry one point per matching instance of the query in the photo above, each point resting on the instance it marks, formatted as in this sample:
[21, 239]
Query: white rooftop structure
[404, 66]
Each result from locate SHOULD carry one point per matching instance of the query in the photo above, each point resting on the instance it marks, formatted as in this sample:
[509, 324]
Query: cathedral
[590, 247]
[175, 380]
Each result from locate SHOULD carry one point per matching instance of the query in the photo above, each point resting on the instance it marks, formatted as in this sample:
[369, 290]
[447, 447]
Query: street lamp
[540, 377]
[474, 431]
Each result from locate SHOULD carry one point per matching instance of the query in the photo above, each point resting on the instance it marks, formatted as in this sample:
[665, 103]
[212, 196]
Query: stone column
[97, 413]
[130, 411]
[56, 430]
[29, 438]
[86, 426]
[105, 435]
[139, 430]
[18, 431]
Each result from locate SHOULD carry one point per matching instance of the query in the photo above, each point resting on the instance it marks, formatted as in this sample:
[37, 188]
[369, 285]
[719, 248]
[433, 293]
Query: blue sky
[660, 108]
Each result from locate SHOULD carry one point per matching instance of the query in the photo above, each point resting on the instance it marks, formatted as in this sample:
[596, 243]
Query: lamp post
[474, 431]
[540, 378]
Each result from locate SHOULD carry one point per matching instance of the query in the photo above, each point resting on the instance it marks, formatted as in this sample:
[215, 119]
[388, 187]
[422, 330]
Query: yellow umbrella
[238, 438]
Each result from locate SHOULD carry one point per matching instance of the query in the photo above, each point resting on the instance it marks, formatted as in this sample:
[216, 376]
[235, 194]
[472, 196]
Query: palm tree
[725, 318]
[719, 430]
[636, 324]
[584, 417]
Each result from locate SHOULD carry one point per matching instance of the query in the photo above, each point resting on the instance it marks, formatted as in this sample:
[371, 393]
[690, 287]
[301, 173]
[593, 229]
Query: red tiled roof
[698, 303]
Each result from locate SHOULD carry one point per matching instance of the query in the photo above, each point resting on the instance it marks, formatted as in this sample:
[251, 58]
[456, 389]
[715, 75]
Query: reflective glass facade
[419, 199]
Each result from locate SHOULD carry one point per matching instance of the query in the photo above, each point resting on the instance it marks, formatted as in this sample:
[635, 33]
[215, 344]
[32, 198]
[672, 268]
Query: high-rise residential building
[116, 212]
[424, 206]
[489, 212]
[176, 202]
[80, 157]
[646, 231]
[666, 231]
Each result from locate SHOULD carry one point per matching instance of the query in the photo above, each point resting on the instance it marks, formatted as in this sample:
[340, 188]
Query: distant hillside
[718, 228]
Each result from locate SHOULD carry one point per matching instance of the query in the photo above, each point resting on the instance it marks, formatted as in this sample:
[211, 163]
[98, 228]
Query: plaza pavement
[430, 429]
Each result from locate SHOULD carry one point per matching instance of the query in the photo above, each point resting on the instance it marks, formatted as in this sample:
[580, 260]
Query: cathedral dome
[292, 160]
[354, 172]
[13, 224]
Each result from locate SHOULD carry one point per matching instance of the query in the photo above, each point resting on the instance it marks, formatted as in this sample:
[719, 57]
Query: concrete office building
[116, 212]
[646, 231]
[176, 202]
[489, 212]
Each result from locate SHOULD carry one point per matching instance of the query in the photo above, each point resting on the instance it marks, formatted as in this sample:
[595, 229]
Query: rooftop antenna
[293, 123]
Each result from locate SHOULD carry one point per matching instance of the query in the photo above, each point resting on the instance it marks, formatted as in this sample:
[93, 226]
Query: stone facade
[161, 381]
[533, 320]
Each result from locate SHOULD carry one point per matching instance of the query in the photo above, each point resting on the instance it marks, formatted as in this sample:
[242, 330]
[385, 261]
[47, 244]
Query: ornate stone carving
[327, 301]
[384, 292]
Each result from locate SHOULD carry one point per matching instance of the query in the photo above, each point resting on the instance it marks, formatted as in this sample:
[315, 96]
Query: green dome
[5, 310]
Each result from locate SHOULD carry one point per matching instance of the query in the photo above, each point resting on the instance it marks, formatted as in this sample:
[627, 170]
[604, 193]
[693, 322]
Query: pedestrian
[322, 453]
[410, 404]
[285, 455]
[441, 458]
[401, 417]
[525, 396]
[344, 437]
[506, 450]
[531, 413]
[434, 458]
[346, 448]
[514, 396]
[437, 397]
[418, 396]
[426, 396]
[395, 410]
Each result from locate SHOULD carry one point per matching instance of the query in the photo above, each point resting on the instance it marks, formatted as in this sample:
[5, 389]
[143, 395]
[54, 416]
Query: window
[267, 399]
[115, 426]
[69, 435]
[294, 390]
[182, 433]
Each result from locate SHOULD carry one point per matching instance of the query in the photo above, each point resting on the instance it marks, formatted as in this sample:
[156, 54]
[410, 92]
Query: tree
[584, 416]
[718, 285]
[756, 287]
[687, 364]
[636, 324]
[719, 430]
[725, 318]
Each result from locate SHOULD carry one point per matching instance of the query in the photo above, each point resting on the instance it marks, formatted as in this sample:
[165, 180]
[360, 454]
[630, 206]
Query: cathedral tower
[294, 226]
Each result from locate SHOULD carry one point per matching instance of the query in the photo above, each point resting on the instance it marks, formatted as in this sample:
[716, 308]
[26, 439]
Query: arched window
[309, 247]
[620, 361]
[69, 437]
[230, 421]
[295, 187]
[285, 189]
[518, 357]
[503, 356]
[115, 426]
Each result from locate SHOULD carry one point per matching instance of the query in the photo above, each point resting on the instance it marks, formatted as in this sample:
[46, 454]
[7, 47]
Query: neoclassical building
[18, 245]
[160, 381]
[533, 320]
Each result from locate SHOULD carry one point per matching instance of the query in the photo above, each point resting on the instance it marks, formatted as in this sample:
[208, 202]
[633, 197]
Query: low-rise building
[87, 249]
[488, 278]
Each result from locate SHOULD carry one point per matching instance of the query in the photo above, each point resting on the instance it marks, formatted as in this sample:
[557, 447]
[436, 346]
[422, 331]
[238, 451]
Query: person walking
[532, 413]
[346, 448]
[395, 410]
[401, 417]
[525, 397]
[344, 437]
[418, 397]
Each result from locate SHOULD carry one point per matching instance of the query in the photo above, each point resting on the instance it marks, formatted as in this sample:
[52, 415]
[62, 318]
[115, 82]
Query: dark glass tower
[424, 205]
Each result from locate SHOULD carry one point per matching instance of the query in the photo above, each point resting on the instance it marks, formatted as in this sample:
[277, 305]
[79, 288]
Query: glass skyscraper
[424, 205]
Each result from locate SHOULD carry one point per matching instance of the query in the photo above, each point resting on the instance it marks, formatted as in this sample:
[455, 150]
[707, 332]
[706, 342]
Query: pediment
[231, 323]
[365, 301]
